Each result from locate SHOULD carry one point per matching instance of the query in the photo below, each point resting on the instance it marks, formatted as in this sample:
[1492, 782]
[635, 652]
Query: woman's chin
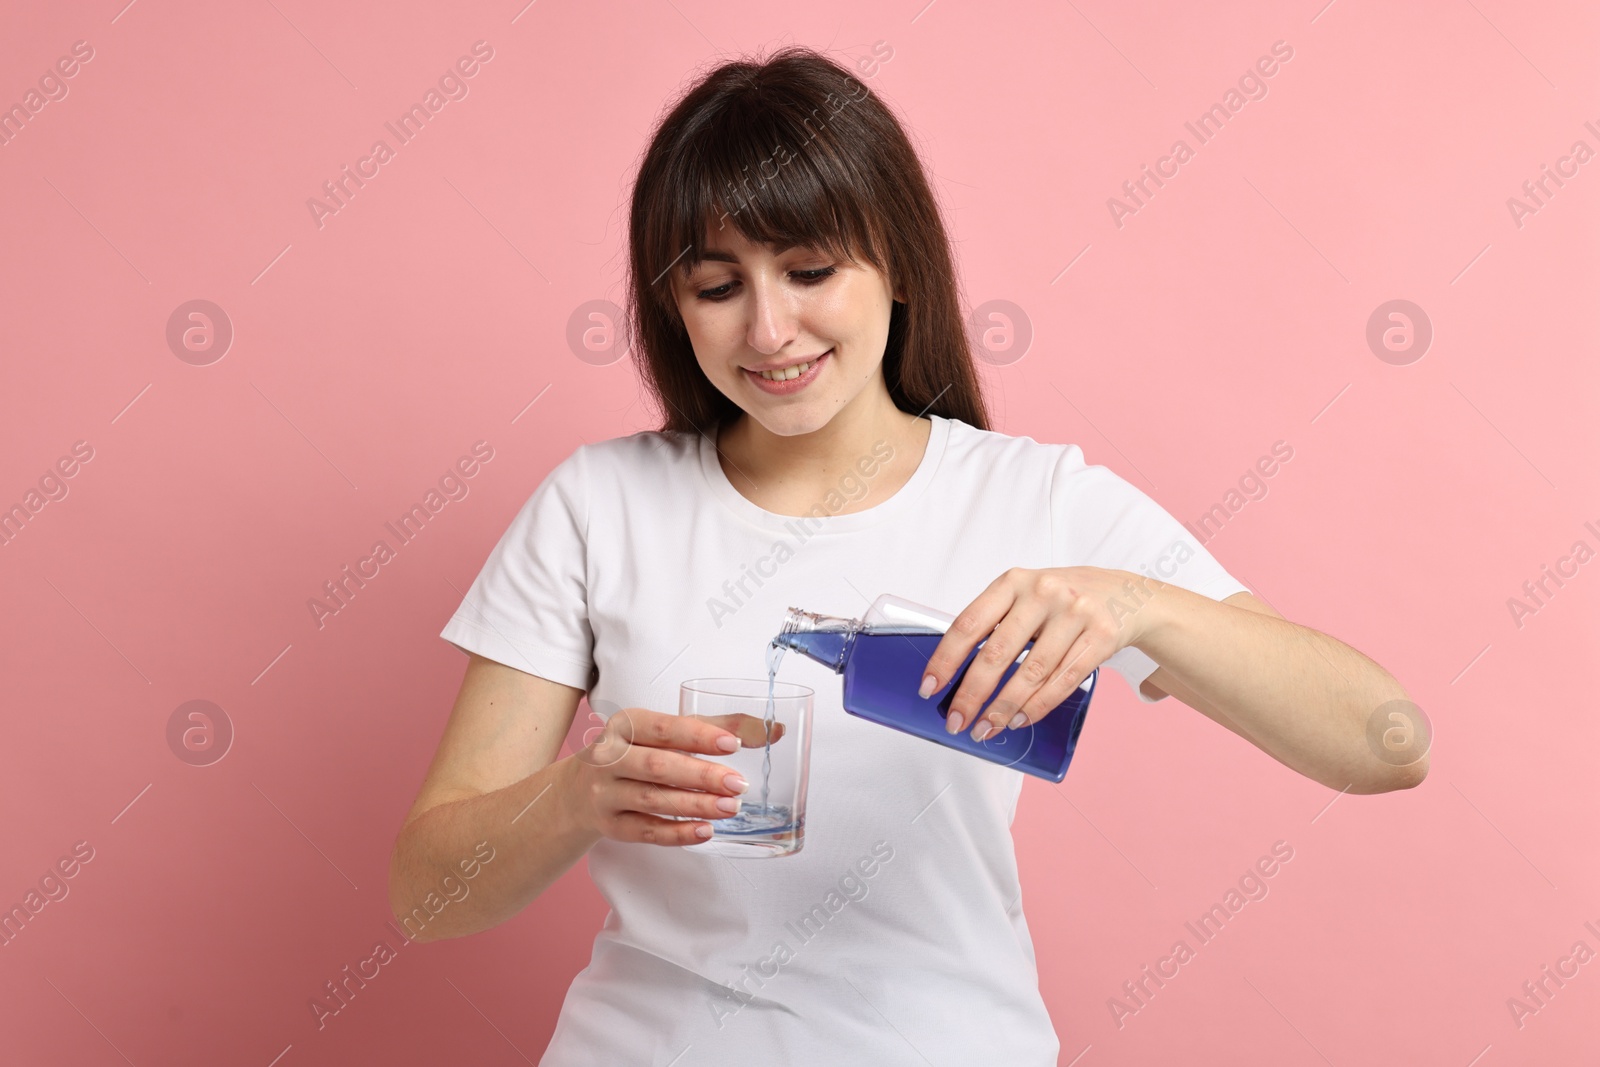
[796, 421]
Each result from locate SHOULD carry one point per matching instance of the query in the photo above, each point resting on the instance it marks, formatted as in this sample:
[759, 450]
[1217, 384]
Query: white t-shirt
[637, 565]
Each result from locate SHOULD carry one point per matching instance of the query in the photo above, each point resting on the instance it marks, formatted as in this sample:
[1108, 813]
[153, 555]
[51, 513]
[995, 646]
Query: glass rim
[719, 687]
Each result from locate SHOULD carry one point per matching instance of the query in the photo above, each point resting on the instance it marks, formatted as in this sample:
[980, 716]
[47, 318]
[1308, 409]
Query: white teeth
[786, 374]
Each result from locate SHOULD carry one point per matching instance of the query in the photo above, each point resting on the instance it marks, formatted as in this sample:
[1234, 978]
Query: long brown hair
[793, 151]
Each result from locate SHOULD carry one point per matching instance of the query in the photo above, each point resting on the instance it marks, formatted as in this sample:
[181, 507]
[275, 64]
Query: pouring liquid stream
[762, 817]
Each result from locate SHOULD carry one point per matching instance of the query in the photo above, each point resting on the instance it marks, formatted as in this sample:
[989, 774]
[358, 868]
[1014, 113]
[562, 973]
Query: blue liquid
[757, 820]
[882, 670]
[774, 657]
[763, 820]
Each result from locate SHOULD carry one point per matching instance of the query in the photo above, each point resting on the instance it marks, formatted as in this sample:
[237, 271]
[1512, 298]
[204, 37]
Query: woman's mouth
[791, 379]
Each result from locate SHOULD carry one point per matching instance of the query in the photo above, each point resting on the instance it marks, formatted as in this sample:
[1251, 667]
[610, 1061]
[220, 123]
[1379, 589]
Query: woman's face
[747, 306]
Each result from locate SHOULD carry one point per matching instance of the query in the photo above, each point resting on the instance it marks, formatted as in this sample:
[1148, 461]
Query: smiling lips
[789, 379]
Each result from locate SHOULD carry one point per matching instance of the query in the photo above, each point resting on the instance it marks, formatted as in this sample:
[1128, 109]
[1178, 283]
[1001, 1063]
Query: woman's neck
[790, 475]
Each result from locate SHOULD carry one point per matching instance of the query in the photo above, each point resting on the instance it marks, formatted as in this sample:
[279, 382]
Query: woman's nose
[773, 320]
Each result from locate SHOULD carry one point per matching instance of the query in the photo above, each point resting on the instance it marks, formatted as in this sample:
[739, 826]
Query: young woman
[783, 227]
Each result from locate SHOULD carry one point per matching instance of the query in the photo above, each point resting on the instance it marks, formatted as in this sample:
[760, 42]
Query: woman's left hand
[1077, 617]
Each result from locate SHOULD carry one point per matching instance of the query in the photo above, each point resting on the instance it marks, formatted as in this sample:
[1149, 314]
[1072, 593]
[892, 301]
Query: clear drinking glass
[775, 759]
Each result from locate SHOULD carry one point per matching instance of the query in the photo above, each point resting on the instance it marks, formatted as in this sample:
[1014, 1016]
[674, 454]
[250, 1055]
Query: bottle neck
[824, 638]
[806, 622]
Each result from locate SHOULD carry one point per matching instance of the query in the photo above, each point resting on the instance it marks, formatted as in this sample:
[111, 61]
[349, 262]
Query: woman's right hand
[639, 770]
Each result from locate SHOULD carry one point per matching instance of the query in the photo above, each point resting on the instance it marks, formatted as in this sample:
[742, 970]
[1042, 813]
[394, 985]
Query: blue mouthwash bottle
[883, 656]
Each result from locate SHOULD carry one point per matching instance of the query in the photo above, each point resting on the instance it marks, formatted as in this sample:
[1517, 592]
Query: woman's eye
[805, 277]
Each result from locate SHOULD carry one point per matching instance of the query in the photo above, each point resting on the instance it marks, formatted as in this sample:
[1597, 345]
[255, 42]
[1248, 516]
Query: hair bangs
[774, 180]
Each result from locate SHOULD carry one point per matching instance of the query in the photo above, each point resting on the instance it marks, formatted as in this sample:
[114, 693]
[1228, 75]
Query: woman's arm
[494, 779]
[1314, 704]
[1299, 695]
[499, 818]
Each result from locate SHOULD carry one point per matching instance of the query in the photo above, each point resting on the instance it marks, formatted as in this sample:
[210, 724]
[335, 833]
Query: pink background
[370, 353]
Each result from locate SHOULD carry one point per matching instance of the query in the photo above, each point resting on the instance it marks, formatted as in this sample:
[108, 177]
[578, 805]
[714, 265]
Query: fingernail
[1016, 720]
[702, 831]
[736, 783]
[730, 805]
[952, 723]
[728, 743]
[982, 730]
[929, 684]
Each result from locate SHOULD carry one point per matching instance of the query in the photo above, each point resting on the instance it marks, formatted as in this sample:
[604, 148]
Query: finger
[974, 623]
[654, 830]
[681, 770]
[691, 733]
[1042, 662]
[998, 652]
[651, 798]
[750, 730]
[1085, 654]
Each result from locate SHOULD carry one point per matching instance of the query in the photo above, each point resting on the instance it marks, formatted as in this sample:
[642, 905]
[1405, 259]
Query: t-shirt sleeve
[528, 607]
[1099, 520]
